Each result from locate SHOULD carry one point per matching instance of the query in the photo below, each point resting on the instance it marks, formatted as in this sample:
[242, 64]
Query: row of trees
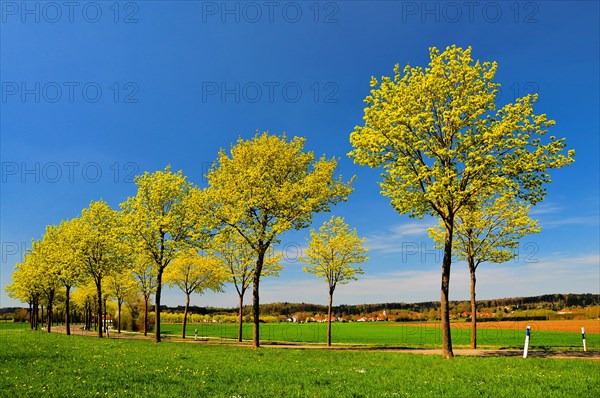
[172, 232]
[445, 149]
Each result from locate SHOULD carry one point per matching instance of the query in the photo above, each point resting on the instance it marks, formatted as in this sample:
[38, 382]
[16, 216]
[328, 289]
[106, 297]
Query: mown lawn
[54, 365]
[389, 333]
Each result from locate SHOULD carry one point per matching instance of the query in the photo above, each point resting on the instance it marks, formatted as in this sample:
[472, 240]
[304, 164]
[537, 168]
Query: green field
[388, 334]
[55, 365]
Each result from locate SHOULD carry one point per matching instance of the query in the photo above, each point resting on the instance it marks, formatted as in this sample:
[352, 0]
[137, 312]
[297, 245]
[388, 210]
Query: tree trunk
[473, 306]
[36, 317]
[157, 306]
[42, 314]
[105, 325]
[119, 304]
[185, 313]
[99, 309]
[146, 315]
[68, 310]
[35, 312]
[241, 317]
[30, 314]
[329, 318]
[88, 324]
[255, 299]
[49, 311]
[446, 263]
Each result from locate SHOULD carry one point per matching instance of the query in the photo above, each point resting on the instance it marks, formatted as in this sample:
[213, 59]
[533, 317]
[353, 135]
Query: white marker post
[583, 336]
[527, 334]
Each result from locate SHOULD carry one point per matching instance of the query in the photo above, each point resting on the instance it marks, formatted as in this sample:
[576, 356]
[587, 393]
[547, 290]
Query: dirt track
[457, 352]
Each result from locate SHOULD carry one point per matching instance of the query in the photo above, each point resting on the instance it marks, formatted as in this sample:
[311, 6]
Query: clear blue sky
[93, 93]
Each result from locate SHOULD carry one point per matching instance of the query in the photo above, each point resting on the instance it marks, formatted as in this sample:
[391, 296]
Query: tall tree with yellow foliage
[443, 144]
[330, 255]
[264, 187]
[27, 286]
[120, 285]
[42, 261]
[100, 247]
[66, 261]
[194, 273]
[159, 223]
[145, 276]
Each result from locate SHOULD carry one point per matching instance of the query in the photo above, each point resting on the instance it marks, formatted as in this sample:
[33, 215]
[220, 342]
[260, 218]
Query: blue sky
[96, 92]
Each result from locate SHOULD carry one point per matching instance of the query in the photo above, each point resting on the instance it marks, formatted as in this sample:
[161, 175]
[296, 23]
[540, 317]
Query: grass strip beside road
[55, 365]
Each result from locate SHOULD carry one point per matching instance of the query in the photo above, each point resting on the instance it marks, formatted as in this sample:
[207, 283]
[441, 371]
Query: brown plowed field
[590, 325]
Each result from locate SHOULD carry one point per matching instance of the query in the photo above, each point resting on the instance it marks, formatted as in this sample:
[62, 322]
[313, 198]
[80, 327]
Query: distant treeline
[554, 302]
[546, 301]
[9, 310]
[265, 309]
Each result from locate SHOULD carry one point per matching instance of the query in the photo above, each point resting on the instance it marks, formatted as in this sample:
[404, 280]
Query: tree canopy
[443, 144]
[330, 254]
[159, 223]
[266, 186]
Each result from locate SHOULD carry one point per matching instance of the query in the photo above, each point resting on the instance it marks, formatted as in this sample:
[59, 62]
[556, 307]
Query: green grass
[380, 334]
[388, 333]
[12, 325]
[52, 365]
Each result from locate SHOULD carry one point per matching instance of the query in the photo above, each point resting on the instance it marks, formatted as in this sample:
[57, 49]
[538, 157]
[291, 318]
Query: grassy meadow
[55, 365]
[390, 334]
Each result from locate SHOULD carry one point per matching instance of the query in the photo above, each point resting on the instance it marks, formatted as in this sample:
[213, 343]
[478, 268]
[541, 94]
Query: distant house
[467, 314]
[368, 319]
[324, 319]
